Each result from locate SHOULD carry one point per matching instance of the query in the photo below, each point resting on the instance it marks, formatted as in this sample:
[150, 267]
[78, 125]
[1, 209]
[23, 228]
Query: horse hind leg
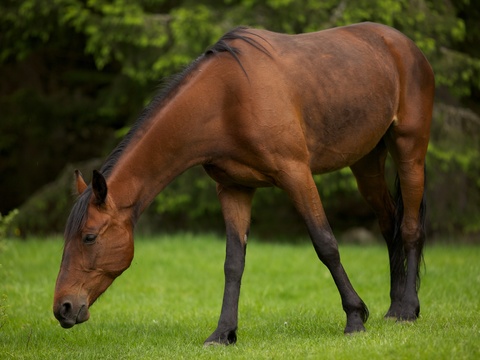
[410, 223]
[370, 175]
[407, 142]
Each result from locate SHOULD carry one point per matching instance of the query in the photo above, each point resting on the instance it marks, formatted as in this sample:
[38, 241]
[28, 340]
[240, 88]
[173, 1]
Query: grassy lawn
[168, 302]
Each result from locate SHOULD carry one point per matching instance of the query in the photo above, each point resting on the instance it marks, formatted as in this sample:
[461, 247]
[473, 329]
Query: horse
[261, 109]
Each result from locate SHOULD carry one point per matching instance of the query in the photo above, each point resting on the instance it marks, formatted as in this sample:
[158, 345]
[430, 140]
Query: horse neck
[178, 136]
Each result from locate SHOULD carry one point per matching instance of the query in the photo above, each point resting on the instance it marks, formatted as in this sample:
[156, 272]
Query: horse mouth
[68, 317]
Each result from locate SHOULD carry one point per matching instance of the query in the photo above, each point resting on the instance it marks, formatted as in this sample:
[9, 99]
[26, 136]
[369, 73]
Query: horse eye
[89, 238]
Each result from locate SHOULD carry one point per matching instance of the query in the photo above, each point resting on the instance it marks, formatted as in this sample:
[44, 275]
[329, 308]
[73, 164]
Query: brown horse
[265, 109]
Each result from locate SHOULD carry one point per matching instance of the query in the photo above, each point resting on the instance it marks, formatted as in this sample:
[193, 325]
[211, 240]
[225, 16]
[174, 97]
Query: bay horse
[264, 109]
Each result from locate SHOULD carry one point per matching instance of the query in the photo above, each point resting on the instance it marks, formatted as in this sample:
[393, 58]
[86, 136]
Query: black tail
[399, 260]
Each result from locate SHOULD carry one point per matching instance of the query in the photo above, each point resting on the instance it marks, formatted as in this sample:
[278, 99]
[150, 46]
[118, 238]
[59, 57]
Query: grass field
[168, 302]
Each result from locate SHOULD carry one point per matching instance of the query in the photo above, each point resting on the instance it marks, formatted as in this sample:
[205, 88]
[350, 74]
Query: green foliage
[116, 29]
[453, 167]
[46, 211]
[6, 222]
[76, 72]
[190, 201]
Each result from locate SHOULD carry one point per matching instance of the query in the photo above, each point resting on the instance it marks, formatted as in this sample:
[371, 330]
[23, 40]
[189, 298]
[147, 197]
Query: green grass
[168, 302]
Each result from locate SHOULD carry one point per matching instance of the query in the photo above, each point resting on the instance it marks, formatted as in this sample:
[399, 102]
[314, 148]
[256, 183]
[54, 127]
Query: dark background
[74, 75]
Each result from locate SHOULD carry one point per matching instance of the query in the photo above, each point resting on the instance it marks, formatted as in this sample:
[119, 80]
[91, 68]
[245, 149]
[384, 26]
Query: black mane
[239, 33]
[175, 81]
[77, 217]
[167, 91]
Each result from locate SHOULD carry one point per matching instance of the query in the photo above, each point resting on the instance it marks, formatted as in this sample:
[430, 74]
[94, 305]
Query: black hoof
[403, 313]
[349, 330]
[221, 338]
[394, 311]
[408, 317]
[355, 321]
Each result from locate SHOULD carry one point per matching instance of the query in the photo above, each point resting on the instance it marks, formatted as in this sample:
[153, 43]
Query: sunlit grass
[168, 302]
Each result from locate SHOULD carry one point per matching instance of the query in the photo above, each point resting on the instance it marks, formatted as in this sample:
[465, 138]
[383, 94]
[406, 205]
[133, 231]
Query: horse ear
[99, 186]
[81, 185]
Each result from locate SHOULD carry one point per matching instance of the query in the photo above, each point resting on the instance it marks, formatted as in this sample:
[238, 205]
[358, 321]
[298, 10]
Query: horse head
[98, 248]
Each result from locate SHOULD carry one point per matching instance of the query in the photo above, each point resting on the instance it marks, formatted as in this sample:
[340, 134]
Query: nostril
[65, 309]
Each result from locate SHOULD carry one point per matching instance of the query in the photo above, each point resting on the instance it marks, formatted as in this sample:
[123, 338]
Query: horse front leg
[299, 185]
[236, 208]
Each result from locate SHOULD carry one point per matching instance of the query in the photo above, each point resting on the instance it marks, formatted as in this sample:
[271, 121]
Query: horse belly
[346, 113]
[325, 158]
[345, 133]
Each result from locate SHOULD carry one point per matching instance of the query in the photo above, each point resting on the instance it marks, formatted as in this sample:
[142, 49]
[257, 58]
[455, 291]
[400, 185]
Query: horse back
[339, 89]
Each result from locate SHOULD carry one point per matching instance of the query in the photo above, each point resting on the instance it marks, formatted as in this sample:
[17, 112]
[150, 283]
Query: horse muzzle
[70, 313]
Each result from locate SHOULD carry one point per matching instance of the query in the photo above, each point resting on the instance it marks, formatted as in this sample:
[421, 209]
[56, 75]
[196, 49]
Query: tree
[77, 72]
